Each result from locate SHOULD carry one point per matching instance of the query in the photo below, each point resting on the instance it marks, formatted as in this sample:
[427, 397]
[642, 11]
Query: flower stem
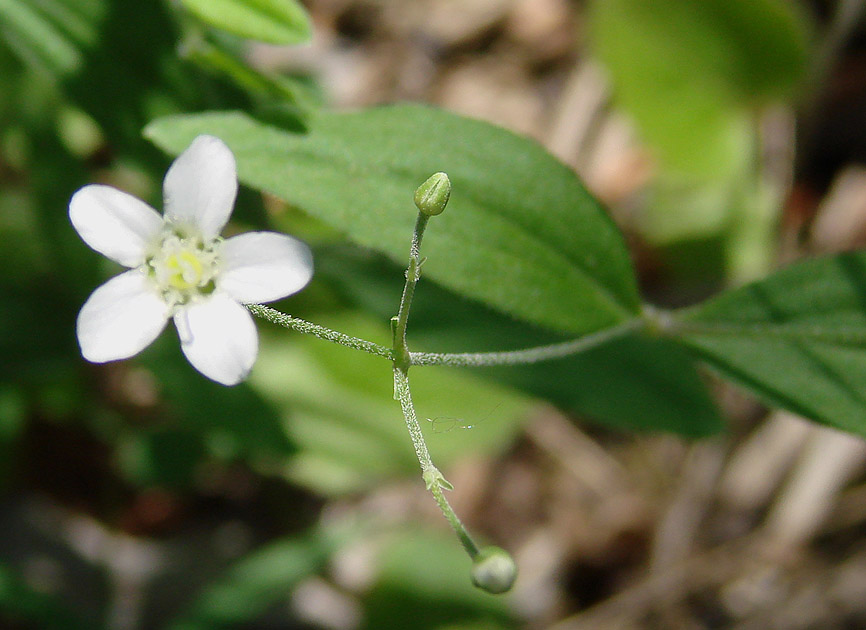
[435, 481]
[301, 325]
[413, 273]
[528, 355]
[464, 359]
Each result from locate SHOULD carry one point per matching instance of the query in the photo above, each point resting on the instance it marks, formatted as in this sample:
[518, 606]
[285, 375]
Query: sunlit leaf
[521, 233]
[272, 21]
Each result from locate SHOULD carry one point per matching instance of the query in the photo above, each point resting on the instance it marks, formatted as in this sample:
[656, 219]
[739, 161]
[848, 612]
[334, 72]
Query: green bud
[493, 570]
[432, 196]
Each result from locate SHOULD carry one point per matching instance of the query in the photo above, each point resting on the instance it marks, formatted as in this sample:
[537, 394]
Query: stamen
[183, 267]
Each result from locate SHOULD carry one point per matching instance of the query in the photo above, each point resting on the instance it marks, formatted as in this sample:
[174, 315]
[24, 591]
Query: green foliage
[167, 458]
[13, 420]
[19, 603]
[51, 34]
[635, 383]
[338, 407]
[524, 256]
[694, 76]
[665, 392]
[795, 338]
[531, 241]
[238, 420]
[259, 580]
[686, 70]
[276, 91]
[272, 21]
[416, 588]
[116, 61]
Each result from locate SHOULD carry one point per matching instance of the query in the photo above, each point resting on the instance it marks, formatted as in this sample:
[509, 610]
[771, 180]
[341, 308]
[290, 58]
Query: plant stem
[404, 396]
[436, 483]
[400, 350]
[301, 325]
[464, 359]
[528, 355]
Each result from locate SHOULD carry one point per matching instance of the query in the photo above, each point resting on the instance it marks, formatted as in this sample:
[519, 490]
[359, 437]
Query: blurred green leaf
[117, 61]
[521, 233]
[689, 220]
[686, 70]
[339, 409]
[681, 209]
[12, 414]
[419, 586]
[260, 579]
[272, 21]
[19, 604]
[796, 338]
[35, 342]
[164, 457]
[233, 422]
[43, 33]
[279, 88]
[13, 418]
[39, 276]
[636, 383]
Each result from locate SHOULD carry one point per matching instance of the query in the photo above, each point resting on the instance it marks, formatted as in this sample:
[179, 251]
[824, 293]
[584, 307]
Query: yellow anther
[185, 270]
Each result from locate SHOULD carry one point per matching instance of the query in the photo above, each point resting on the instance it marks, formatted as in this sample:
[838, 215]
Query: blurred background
[727, 138]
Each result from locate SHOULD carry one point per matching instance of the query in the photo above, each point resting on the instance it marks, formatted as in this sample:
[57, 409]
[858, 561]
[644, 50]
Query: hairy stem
[436, 483]
[528, 355]
[301, 325]
[413, 273]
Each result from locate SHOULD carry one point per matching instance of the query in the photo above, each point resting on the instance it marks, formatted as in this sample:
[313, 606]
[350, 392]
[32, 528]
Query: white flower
[181, 269]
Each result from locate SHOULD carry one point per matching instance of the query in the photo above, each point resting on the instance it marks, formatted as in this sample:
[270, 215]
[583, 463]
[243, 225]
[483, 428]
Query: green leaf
[797, 338]
[634, 383]
[520, 233]
[256, 582]
[688, 70]
[272, 21]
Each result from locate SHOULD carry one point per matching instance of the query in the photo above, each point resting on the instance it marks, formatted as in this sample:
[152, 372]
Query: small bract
[181, 269]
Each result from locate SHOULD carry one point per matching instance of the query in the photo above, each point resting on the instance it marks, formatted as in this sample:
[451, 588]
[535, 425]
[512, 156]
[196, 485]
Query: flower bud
[493, 570]
[432, 196]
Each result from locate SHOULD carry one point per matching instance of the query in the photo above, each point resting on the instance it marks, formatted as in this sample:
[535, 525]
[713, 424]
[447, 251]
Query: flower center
[183, 266]
[185, 270]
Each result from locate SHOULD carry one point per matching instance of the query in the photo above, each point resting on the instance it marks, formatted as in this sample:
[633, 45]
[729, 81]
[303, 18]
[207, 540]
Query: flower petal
[114, 223]
[201, 185]
[263, 266]
[219, 338]
[121, 318]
